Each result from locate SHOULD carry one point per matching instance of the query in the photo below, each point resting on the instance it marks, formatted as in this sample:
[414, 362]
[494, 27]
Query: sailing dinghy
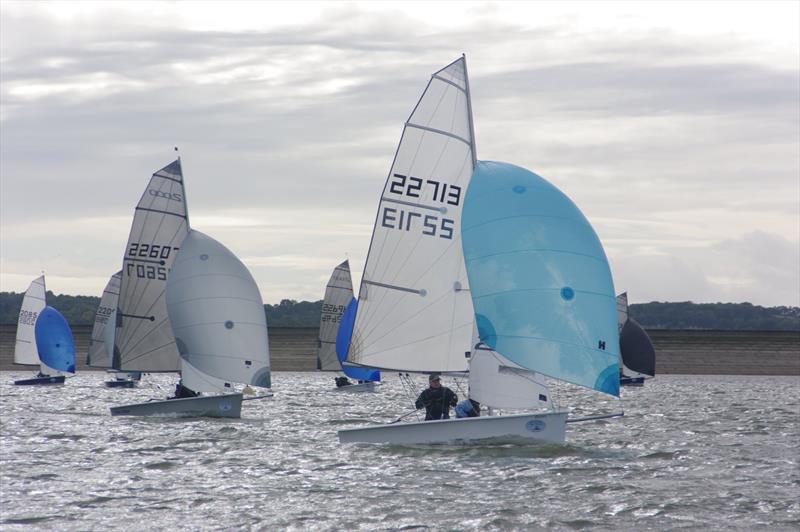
[101, 343]
[338, 296]
[637, 354]
[206, 278]
[480, 267]
[43, 338]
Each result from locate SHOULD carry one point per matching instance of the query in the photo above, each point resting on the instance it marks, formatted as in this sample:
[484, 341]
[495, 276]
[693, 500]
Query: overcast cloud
[674, 127]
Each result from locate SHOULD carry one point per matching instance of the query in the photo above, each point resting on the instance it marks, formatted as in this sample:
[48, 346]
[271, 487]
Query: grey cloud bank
[682, 149]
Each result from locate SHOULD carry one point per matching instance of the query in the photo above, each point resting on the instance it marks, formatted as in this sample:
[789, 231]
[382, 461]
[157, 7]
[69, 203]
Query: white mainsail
[33, 303]
[414, 309]
[217, 317]
[100, 356]
[144, 340]
[338, 294]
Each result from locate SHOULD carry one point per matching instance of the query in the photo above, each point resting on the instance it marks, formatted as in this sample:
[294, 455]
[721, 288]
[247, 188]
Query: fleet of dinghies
[476, 269]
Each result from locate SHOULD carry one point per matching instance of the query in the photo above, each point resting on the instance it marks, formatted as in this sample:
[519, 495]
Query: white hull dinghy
[205, 319]
[229, 405]
[546, 427]
[486, 268]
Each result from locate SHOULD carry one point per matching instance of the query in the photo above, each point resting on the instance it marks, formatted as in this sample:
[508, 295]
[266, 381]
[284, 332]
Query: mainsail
[143, 340]
[33, 303]
[99, 356]
[414, 311]
[539, 278]
[217, 317]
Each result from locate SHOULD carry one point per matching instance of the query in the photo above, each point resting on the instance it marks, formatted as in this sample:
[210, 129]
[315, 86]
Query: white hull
[547, 427]
[207, 406]
[358, 388]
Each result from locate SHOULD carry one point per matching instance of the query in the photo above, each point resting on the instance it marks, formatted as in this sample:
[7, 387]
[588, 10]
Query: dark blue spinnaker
[54, 341]
[343, 338]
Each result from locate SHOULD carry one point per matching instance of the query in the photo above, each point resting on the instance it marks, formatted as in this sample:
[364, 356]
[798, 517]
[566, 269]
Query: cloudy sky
[675, 127]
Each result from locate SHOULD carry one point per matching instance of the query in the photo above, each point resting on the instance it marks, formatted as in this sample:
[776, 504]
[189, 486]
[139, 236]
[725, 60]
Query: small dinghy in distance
[47, 344]
[338, 296]
[519, 263]
[101, 344]
[637, 354]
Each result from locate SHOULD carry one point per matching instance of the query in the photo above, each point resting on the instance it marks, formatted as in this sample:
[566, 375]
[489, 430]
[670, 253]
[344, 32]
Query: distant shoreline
[682, 352]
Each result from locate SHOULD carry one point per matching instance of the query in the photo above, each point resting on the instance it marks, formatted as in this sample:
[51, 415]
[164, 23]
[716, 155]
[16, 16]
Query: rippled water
[692, 452]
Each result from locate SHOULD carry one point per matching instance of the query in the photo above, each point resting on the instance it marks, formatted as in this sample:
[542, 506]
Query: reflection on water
[691, 452]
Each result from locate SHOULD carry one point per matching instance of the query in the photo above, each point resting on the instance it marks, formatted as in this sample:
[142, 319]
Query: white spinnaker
[104, 324]
[217, 314]
[497, 382]
[144, 340]
[338, 294]
[33, 303]
[414, 308]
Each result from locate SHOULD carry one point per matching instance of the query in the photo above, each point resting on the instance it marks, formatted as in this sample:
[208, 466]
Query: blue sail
[343, 336]
[540, 282]
[54, 341]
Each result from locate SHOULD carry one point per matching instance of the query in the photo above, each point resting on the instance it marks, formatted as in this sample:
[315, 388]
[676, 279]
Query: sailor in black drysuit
[436, 399]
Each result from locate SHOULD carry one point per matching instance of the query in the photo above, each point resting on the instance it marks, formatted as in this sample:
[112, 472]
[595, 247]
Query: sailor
[342, 381]
[436, 399]
[468, 408]
[182, 392]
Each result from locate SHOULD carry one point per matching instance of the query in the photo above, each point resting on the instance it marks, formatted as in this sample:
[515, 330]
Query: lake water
[692, 452]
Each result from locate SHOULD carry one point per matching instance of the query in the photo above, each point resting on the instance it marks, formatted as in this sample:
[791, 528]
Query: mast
[469, 112]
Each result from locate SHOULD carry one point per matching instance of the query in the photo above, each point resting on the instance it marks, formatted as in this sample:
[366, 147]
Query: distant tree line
[80, 310]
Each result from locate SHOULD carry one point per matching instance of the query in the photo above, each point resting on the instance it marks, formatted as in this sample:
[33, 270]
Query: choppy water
[691, 453]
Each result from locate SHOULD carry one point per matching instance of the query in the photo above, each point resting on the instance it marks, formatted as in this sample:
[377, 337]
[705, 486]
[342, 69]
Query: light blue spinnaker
[54, 341]
[539, 278]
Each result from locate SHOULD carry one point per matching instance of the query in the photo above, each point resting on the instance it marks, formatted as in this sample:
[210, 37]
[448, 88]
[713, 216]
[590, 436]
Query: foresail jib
[440, 132]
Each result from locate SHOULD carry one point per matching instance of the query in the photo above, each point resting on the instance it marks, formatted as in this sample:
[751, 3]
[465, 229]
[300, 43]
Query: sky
[675, 128]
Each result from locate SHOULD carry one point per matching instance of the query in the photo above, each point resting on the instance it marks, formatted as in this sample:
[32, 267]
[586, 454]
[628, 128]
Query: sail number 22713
[404, 215]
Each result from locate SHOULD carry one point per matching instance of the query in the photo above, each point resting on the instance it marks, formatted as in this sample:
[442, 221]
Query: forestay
[143, 340]
[338, 294]
[99, 356]
[541, 284]
[414, 311]
[217, 316]
[33, 303]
